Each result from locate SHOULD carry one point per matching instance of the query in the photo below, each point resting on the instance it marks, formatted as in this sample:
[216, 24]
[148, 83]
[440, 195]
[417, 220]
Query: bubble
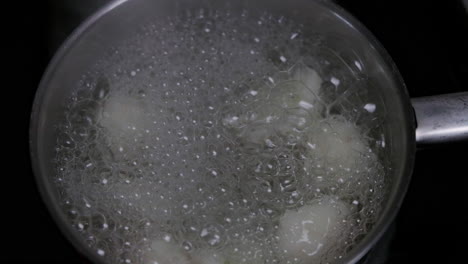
[102, 88]
[99, 222]
[212, 235]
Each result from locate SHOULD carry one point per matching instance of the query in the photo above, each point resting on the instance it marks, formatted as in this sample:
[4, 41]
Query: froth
[204, 139]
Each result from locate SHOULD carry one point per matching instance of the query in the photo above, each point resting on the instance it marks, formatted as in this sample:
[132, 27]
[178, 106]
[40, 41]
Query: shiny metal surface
[442, 118]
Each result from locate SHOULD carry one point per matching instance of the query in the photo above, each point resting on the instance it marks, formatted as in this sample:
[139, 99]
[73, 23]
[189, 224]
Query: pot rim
[45, 189]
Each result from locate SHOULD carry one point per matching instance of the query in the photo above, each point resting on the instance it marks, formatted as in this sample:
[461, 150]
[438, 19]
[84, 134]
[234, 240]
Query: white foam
[335, 81]
[370, 107]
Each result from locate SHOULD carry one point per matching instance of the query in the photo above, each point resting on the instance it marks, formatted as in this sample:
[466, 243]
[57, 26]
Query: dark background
[428, 40]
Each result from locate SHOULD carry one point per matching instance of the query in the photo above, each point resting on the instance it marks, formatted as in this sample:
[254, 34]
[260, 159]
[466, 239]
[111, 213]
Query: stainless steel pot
[435, 119]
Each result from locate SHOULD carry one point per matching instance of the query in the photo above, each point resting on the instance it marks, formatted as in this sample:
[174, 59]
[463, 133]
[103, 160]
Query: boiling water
[233, 140]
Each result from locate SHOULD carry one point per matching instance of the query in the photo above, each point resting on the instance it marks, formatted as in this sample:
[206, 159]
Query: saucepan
[406, 122]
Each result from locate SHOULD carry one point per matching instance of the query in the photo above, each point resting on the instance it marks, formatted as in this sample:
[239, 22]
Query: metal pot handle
[441, 118]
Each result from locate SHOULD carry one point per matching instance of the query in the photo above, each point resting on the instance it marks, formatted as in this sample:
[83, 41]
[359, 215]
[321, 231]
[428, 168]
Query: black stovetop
[429, 43]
